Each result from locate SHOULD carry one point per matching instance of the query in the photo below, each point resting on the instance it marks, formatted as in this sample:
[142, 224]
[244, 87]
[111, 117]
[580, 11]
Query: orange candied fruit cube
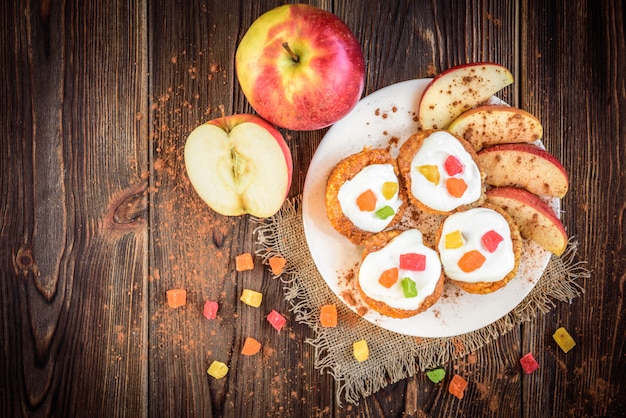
[176, 298]
[471, 260]
[456, 187]
[388, 277]
[250, 347]
[328, 316]
[244, 262]
[277, 264]
[366, 201]
[457, 386]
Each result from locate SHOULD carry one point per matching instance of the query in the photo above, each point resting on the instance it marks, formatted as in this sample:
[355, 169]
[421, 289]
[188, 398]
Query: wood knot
[131, 208]
[24, 260]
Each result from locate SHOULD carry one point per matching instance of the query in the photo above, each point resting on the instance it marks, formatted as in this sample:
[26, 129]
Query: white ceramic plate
[385, 119]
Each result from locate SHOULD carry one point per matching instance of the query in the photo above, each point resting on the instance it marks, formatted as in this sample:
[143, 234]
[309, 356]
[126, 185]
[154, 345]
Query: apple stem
[294, 57]
[226, 127]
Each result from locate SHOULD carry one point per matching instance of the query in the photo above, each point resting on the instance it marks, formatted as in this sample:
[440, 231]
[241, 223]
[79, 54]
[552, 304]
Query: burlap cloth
[392, 356]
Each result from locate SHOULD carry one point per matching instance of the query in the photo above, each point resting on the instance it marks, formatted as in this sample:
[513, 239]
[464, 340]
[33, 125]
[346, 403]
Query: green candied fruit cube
[436, 375]
[408, 288]
[385, 212]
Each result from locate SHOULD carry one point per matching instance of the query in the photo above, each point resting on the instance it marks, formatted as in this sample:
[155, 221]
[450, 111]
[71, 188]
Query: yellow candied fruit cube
[454, 240]
[360, 350]
[563, 339]
[389, 189]
[431, 172]
[217, 370]
[252, 298]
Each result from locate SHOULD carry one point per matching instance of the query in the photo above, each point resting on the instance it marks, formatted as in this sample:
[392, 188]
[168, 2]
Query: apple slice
[524, 165]
[534, 218]
[488, 125]
[239, 164]
[458, 89]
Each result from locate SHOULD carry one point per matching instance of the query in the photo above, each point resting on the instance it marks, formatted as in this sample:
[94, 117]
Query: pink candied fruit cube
[413, 262]
[453, 166]
[277, 320]
[491, 240]
[210, 309]
[529, 364]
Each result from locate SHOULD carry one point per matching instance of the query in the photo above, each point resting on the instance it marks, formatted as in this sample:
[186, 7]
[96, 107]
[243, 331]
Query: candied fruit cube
[471, 260]
[277, 320]
[366, 201]
[563, 339]
[210, 309]
[176, 298]
[328, 316]
[529, 364]
[408, 288]
[389, 277]
[436, 375]
[385, 212]
[457, 386]
[277, 264]
[250, 347]
[454, 240]
[413, 262]
[431, 172]
[390, 188]
[244, 262]
[252, 298]
[491, 239]
[456, 187]
[453, 165]
[217, 369]
[360, 350]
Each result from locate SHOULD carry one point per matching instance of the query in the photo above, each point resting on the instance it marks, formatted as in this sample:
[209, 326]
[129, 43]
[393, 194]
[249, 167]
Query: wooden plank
[575, 73]
[192, 56]
[73, 203]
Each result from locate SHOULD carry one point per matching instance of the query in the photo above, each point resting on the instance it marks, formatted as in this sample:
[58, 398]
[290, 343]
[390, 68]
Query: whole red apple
[300, 67]
[239, 164]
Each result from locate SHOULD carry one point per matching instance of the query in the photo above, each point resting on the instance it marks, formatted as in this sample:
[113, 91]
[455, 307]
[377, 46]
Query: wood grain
[98, 218]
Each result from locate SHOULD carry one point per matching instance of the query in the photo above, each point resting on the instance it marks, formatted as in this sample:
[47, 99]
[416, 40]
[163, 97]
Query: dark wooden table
[98, 218]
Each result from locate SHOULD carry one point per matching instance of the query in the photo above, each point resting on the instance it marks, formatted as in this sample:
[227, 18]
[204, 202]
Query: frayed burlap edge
[392, 356]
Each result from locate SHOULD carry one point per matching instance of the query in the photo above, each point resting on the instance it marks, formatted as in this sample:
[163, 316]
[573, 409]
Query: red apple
[300, 67]
[239, 164]
[458, 89]
[534, 218]
[524, 165]
[488, 125]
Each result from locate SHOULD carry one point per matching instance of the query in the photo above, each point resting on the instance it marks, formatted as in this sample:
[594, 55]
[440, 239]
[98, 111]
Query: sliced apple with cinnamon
[488, 125]
[534, 217]
[458, 89]
[524, 165]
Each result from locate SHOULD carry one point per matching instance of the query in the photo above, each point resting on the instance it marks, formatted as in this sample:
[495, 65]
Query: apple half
[458, 89]
[488, 125]
[239, 164]
[524, 165]
[534, 217]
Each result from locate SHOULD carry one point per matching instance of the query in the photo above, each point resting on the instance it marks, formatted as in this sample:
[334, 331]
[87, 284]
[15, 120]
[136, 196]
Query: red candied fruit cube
[529, 364]
[210, 309]
[413, 262]
[457, 386]
[491, 240]
[277, 320]
[453, 166]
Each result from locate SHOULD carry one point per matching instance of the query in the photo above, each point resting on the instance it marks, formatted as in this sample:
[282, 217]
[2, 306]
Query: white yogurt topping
[436, 148]
[377, 262]
[473, 224]
[371, 177]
